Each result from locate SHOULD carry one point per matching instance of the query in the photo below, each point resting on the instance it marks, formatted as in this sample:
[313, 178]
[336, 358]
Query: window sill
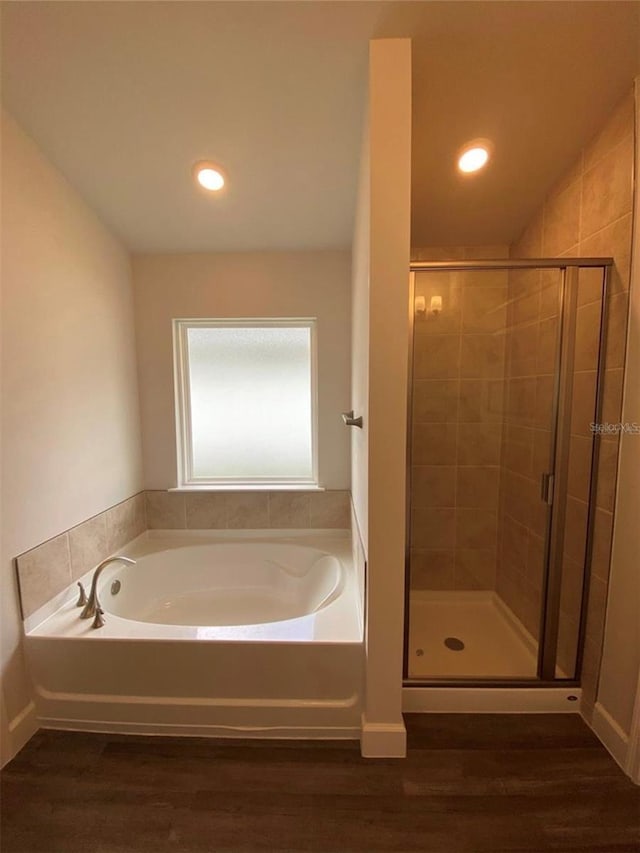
[250, 487]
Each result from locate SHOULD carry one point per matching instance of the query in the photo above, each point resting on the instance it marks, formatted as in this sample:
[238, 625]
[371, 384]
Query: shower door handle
[546, 488]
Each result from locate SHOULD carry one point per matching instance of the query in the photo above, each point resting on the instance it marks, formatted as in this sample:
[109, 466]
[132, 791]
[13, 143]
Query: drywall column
[615, 720]
[360, 347]
[383, 732]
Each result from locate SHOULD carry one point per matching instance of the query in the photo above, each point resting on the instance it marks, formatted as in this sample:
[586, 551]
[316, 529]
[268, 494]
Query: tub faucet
[93, 604]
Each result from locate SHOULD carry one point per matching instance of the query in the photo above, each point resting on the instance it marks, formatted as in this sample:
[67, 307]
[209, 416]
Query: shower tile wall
[458, 388]
[589, 214]
[532, 326]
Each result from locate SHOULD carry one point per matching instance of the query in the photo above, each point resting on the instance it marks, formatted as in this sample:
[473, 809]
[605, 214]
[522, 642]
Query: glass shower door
[578, 560]
[484, 385]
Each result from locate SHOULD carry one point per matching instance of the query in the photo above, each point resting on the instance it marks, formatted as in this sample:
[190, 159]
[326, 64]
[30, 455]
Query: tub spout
[89, 609]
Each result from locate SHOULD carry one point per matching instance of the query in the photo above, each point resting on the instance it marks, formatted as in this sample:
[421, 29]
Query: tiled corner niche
[48, 569]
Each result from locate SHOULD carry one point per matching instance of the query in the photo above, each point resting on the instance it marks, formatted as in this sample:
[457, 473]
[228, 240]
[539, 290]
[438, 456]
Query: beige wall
[621, 655]
[70, 423]
[589, 214]
[255, 284]
[460, 253]
[390, 183]
[360, 345]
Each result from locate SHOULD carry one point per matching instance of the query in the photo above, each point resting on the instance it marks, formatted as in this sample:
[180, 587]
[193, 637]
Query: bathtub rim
[336, 542]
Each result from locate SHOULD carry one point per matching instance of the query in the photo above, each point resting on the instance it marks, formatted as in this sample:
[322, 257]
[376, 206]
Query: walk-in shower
[504, 406]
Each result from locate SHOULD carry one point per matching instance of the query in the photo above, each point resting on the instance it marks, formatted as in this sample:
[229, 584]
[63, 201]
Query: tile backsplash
[45, 571]
[247, 510]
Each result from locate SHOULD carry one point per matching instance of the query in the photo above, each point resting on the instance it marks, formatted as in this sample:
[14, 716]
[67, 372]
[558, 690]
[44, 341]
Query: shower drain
[454, 644]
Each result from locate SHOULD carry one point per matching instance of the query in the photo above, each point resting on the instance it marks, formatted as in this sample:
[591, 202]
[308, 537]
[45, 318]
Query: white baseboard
[611, 735]
[383, 740]
[21, 729]
[491, 700]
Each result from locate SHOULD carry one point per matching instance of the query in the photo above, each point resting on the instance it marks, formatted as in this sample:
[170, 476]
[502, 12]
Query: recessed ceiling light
[209, 176]
[474, 156]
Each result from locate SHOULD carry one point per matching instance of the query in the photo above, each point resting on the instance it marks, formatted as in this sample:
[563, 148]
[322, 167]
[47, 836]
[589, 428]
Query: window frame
[183, 422]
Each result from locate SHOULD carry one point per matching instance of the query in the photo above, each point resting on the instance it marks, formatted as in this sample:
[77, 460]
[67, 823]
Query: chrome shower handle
[350, 420]
[547, 482]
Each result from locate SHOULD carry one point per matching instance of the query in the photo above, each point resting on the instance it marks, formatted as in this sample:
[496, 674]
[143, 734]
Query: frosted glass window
[247, 400]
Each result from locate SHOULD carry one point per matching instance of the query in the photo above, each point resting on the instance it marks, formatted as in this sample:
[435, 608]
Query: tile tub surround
[166, 510]
[48, 569]
[589, 214]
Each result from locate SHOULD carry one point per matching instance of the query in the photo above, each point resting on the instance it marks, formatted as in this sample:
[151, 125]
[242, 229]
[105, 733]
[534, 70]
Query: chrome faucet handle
[82, 598]
[98, 620]
[88, 610]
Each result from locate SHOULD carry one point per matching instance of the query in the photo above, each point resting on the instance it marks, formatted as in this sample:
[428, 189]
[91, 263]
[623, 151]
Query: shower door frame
[558, 455]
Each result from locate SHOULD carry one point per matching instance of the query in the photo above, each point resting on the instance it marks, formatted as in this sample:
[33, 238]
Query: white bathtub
[224, 584]
[209, 634]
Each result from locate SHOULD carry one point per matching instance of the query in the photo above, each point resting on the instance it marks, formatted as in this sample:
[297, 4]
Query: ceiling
[538, 80]
[125, 96]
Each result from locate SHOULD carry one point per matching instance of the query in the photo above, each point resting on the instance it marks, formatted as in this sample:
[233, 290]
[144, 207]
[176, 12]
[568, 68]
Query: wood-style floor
[470, 783]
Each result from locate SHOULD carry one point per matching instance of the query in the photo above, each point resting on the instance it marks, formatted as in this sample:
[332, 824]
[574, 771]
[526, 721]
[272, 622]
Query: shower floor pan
[467, 635]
